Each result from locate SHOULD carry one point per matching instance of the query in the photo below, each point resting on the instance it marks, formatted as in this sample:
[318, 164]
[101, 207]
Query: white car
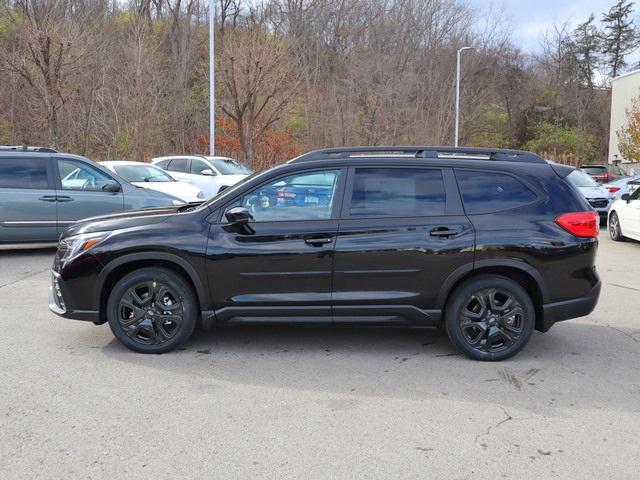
[209, 174]
[147, 176]
[624, 217]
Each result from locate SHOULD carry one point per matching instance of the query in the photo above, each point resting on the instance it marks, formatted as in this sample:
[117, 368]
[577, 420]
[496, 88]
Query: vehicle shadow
[575, 365]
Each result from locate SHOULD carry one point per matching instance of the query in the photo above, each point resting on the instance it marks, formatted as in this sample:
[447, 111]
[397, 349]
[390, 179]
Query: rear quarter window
[485, 192]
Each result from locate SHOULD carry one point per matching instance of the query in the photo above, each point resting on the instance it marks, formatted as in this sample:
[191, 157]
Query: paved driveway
[285, 402]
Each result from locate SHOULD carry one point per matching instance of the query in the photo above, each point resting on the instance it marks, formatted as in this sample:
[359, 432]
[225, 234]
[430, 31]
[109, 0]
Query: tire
[615, 231]
[484, 312]
[152, 310]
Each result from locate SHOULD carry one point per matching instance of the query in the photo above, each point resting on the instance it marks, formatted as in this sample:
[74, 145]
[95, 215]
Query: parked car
[624, 218]
[604, 173]
[148, 176]
[210, 174]
[599, 197]
[490, 243]
[621, 186]
[43, 191]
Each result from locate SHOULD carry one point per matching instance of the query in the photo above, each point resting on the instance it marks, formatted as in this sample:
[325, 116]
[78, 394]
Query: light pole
[459, 52]
[212, 81]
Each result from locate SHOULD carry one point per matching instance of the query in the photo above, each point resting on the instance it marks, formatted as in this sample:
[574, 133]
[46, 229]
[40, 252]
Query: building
[623, 90]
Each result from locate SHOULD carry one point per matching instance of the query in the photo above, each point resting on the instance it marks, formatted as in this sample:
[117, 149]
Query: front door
[279, 265]
[81, 192]
[630, 215]
[401, 234]
[27, 200]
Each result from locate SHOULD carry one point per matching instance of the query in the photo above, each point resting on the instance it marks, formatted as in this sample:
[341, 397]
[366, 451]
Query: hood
[229, 180]
[181, 190]
[117, 221]
[594, 192]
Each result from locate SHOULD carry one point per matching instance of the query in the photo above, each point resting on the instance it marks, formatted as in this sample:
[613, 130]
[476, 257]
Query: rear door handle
[64, 198]
[318, 241]
[48, 198]
[443, 232]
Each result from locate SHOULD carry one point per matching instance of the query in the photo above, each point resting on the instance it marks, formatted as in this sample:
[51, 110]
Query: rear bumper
[568, 309]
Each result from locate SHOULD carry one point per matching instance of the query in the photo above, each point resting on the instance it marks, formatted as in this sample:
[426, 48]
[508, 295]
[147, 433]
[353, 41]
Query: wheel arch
[523, 274]
[118, 268]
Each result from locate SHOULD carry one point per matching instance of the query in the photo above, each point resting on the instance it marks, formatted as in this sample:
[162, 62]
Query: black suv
[489, 243]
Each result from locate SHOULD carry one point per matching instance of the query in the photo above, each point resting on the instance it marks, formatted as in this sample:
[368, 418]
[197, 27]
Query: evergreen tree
[619, 36]
[586, 47]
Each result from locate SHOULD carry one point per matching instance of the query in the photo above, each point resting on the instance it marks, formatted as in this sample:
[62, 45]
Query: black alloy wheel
[490, 318]
[152, 310]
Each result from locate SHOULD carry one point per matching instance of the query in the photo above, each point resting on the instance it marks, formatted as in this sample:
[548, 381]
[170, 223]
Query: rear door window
[485, 192]
[24, 172]
[179, 165]
[397, 192]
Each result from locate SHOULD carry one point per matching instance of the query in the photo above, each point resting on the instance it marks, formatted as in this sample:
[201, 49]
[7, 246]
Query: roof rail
[25, 148]
[497, 154]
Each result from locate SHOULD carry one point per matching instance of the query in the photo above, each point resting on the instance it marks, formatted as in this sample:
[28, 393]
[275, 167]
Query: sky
[533, 17]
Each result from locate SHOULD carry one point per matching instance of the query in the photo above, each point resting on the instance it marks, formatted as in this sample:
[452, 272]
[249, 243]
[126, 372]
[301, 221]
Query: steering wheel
[89, 184]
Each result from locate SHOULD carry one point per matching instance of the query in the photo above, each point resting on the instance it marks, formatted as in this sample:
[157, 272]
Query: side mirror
[238, 216]
[625, 197]
[208, 172]
[112, 186]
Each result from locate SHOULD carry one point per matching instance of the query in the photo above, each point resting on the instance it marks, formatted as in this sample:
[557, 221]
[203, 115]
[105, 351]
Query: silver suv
[43, 191]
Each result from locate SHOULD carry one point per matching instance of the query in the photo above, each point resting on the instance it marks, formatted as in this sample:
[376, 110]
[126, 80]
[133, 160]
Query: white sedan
[147, 176]
[624, 217]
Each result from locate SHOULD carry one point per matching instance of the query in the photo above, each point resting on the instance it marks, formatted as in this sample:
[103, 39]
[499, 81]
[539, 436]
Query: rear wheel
[152, 310]
[615, 232]
[490, 318]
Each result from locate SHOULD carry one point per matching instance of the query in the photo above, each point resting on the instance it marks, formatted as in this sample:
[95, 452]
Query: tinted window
[179, 165]
[594, 170]
[162, 163]
[23, 172]
[296, 197]
[484, 192]
[397, 192]
[76, 175]
[197, 166]
[581, 179]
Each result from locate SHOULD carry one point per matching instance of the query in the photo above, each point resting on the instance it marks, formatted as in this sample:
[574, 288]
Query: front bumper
[568, 309]
[58, 302]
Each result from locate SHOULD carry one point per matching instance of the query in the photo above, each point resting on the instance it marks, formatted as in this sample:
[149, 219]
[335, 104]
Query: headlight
[73, 246]
[200, 195]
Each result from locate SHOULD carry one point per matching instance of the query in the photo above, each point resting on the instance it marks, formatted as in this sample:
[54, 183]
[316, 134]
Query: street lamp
[212, 72]
[458, 91]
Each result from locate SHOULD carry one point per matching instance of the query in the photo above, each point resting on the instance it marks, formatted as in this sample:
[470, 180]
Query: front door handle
[48, 198]
[318, 241]
[64, 198]
[443, 232]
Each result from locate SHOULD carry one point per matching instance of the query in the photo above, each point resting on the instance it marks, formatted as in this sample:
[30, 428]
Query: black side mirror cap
[625, 197]
[238, 216]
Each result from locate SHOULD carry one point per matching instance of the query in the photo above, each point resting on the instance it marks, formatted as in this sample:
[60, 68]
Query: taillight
[580, 224]
[613, 189]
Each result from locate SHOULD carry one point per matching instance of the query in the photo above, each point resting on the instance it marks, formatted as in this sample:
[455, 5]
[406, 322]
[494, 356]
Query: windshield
[229, 166]
[594, 170]
[581, 179]
[142, 173]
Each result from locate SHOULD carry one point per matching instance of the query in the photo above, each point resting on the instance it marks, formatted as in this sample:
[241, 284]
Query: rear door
[81, 194]
[27, 199]
[402, 232]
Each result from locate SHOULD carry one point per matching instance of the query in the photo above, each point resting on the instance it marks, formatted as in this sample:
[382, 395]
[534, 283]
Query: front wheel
[615, 232]
[490, 318]
[152, 310]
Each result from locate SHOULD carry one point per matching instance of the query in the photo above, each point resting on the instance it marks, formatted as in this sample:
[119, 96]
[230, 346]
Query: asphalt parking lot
[290, 402]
